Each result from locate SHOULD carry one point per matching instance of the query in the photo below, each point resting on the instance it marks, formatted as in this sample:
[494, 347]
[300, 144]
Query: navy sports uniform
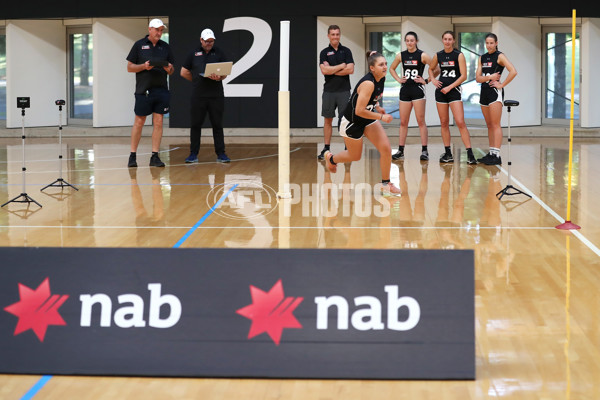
[449, 73]
[489, 66]
[351, 125]
[413, 67]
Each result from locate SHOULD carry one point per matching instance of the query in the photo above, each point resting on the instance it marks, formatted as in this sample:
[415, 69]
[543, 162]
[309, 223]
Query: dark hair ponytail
[373, 55]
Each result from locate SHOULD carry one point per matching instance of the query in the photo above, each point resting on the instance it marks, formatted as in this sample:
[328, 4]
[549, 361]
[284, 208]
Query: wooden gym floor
[537, 288]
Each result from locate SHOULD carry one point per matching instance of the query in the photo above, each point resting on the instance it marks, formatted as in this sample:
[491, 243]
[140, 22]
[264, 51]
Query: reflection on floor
[536, 287]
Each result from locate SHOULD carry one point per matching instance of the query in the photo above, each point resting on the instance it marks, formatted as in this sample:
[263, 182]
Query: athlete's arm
[479, 78]
[186, 73]
[425, 59]
[395, 63]
[364, 94]
[433, 66]
[512, 72]
[348, 70]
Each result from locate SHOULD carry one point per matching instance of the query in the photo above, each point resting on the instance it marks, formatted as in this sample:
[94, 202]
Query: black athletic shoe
[132, 163]
[398, 156]
[446, 158]
[155, 161]
[493, 160]
[321, 156]
[424, 155]
[484, 158]
[471, 159]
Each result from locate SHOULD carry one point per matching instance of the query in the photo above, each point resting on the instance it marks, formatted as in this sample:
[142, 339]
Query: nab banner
[358, 314]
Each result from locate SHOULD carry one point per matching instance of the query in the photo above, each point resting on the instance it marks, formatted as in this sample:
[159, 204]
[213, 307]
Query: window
[388, 41]
[2, 75]
[558, 52]
[81, 79]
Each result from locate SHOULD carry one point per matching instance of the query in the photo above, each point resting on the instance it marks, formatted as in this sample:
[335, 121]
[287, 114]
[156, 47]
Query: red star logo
[37, 309]
[271, 312]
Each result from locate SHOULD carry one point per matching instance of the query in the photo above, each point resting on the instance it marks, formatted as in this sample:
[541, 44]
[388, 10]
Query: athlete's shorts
[154, 101]
[450, 97]
[410, 93]
[490, 95]
[351, 130]
[333, 100]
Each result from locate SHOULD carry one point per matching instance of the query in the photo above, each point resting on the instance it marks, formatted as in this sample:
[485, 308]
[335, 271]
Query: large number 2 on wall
[262, 41]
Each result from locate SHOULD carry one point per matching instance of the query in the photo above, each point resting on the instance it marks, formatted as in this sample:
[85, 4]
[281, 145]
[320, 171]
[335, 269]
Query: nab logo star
[271, 312]
[37, 309]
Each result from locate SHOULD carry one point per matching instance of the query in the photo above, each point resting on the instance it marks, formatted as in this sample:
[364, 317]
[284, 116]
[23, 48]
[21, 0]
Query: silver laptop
[218, 69]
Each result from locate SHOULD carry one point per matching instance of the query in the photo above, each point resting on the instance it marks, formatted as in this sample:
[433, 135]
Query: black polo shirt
[196, 63]
[335, 83]
[142, 51]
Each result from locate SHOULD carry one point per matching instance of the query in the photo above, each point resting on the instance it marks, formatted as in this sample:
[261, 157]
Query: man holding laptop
[207, 94]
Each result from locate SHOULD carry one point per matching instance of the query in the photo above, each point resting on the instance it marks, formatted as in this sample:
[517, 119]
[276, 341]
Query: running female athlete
[362, 117]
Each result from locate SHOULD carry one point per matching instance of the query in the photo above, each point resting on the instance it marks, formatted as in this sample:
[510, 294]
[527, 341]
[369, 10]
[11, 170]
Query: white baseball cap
[207, 34]
[156, 23]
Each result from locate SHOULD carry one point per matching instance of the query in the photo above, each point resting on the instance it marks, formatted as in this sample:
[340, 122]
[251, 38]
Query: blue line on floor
[204, 217]
[37, 387]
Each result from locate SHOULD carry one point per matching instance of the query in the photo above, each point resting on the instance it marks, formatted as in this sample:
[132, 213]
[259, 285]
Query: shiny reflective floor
[537, 288]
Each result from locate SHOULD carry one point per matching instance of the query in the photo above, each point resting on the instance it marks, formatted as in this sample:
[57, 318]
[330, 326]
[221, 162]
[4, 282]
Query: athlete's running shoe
[484, 158]
[471, 159]
[398, 156]
[390, 190]
[446, 158]
[493, 160]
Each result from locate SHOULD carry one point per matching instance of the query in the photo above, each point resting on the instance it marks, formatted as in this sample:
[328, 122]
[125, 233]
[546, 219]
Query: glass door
[558, 51]
[2, 74]
[387, 39]
[471, 41]
[81, 79]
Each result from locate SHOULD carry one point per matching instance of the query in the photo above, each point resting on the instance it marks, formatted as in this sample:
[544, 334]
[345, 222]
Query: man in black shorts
[336, 65]
[151, 60]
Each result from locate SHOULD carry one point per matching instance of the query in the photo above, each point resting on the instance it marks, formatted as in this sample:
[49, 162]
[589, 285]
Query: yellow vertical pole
[573, 42]
[568, 224]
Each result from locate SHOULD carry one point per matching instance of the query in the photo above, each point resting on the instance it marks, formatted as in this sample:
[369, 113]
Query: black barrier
[364, 314]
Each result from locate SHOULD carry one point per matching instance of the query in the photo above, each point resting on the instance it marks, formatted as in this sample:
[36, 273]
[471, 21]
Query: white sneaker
[390, 190]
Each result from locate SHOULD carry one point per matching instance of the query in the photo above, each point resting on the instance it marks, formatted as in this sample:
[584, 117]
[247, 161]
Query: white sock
[495, 151]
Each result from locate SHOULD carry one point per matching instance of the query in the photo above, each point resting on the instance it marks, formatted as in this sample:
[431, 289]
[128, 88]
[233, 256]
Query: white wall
[519, 39]
[36, 67]
[353, 37]
[113, 85]
[429, 30]
[590, 85]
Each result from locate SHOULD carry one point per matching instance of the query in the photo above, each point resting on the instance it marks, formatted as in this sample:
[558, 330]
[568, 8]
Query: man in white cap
[151, 59]
[207, 95]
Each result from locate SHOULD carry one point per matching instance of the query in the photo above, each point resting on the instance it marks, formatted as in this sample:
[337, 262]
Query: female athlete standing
[412, 93]
[361, 118]
[489, 70]
[453, 72]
